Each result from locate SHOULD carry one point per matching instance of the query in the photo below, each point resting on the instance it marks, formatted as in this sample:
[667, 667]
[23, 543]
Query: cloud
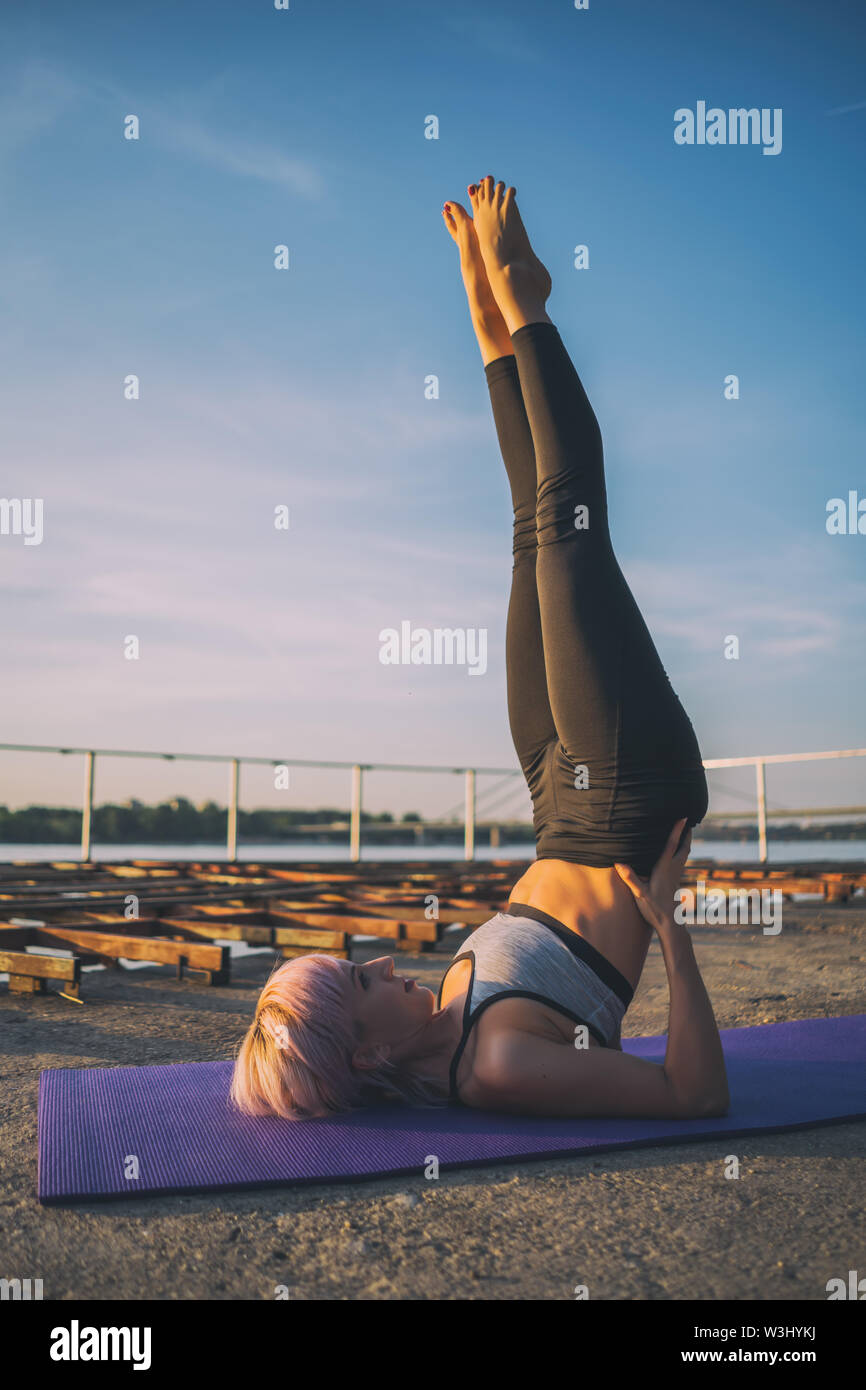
[40, 92]
[173, 539]
[32, 101]
[500, 36]
[245, 158]
[844, 110]
[789, 622]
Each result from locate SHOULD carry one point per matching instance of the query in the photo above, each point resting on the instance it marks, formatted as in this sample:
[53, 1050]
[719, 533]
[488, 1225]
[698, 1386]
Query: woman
[529, 1013]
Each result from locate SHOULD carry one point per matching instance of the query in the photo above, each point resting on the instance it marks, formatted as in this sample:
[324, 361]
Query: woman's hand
[655, 896]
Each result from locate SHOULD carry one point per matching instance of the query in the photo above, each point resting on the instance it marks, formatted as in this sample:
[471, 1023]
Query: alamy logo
[76, 1343]
[441, 646]
[20, 1290]
[855, 1288]
[761, 906]
[846, 520]
[737, 126]
[22, 516]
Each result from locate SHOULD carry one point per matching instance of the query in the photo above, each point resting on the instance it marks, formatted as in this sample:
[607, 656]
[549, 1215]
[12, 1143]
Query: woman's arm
[530, 1074]
[694, 1061]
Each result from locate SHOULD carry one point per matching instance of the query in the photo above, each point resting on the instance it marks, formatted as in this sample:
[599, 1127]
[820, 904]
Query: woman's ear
[368, 1058]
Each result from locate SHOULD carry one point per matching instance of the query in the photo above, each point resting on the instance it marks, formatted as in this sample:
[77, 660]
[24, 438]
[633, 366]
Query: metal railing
[760, 764]
[357, 770]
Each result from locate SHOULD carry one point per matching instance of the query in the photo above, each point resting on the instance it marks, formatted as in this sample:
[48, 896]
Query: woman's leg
[627, 763]
[530, 717]
[601, 662]
[529, 713]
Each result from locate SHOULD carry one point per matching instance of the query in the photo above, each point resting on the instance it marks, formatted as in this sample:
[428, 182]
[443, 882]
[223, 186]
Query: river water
[780, 851]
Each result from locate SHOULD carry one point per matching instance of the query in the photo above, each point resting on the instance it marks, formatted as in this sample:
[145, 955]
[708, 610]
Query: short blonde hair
[296, 1058]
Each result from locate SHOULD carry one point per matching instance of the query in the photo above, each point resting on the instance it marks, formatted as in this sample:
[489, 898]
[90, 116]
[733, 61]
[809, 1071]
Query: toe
[499, 191]
[458, 212]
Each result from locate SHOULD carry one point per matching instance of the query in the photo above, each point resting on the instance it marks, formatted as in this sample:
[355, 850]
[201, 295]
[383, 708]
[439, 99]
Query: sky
[304, 388]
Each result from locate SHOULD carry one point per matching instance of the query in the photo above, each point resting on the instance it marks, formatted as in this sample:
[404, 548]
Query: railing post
[355, 823]
[87, 808]
[762, 811]
[469, 816]
[232, 818]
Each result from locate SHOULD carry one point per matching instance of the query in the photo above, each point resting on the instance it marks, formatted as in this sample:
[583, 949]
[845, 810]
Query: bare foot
[519, 281]
[490, 327]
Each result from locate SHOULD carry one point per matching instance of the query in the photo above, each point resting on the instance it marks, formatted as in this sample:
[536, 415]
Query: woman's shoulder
[497, 1031]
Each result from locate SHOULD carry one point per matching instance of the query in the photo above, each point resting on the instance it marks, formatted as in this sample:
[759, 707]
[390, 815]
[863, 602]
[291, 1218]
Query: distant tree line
[176, 821]
[179, 822]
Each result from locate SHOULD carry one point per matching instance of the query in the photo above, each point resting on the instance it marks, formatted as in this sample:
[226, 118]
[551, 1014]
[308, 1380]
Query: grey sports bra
[525, 954]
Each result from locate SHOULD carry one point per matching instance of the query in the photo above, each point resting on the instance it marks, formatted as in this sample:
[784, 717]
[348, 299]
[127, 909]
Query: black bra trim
[580, 947]
[471, 1017]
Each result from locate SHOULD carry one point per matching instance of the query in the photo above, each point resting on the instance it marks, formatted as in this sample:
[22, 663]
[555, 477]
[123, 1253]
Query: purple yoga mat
[176, 1122]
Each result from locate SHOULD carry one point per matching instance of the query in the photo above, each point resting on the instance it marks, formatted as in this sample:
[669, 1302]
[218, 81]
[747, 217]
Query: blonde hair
[296, 1059]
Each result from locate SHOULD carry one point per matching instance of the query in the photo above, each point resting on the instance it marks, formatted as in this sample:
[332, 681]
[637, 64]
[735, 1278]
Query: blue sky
[306, 387]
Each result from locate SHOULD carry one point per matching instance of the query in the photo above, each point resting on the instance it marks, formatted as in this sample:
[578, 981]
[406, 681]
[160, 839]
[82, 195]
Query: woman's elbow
[702, 1105]
[714, 1106]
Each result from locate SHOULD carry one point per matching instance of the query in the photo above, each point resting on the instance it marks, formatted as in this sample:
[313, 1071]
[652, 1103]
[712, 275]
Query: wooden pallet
[210, 962]
[834, 883]
[186, 908]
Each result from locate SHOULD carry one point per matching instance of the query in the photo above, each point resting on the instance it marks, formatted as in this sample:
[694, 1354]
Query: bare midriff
[594, 903]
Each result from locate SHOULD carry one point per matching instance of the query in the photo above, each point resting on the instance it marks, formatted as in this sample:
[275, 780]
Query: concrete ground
[659, 1223]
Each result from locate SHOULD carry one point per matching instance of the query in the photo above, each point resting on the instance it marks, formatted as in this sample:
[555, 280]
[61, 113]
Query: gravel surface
[661, 1223]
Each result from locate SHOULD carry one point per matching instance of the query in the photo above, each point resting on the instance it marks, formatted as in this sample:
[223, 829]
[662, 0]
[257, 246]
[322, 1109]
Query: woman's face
[389, 1007]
